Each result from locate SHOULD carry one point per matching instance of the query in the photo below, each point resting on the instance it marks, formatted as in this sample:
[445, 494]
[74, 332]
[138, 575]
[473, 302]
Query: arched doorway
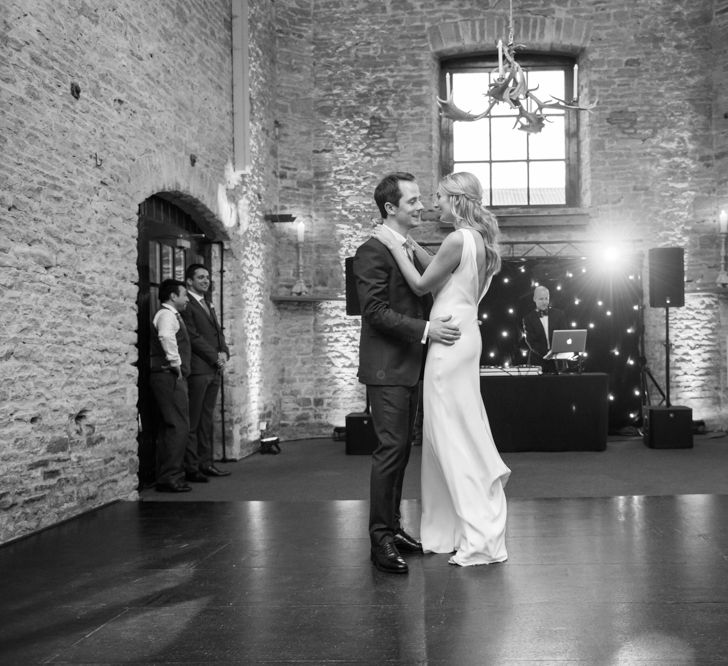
[169, 240]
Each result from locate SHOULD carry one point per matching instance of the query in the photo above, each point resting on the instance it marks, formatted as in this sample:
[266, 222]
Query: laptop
[567, 344]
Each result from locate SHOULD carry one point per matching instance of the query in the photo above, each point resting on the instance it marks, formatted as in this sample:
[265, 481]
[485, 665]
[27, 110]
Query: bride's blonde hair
[465, 194]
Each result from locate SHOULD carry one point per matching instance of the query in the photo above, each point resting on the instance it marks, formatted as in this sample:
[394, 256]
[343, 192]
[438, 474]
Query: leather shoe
[387, 559]
[211, 470]
[406, 543]
[196, 477]
[177, 487]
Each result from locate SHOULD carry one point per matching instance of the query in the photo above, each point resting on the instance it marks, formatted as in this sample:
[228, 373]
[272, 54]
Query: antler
[512, 89]
[449, 110]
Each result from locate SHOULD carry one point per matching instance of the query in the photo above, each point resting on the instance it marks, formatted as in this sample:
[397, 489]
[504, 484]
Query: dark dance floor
[604, 580]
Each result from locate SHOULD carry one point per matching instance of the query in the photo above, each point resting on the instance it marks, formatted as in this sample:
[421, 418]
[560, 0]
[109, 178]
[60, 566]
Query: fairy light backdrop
[602, 294]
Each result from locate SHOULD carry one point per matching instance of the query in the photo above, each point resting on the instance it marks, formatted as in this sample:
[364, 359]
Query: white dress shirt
[166, 321]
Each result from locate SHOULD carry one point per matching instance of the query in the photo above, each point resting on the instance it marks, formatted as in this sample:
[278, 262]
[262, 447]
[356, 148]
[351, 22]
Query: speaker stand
[645, 372]
[667, 354]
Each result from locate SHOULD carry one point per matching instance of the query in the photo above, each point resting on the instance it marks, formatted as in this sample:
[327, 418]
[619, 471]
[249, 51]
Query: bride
[463, 477]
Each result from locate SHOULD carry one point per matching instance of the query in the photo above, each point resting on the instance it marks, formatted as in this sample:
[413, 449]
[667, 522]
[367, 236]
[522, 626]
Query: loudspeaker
[352, 298]
[360, 437]
[667, 277]
[669, 428]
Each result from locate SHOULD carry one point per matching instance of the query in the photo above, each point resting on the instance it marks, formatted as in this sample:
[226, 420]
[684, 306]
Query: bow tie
[543, 313]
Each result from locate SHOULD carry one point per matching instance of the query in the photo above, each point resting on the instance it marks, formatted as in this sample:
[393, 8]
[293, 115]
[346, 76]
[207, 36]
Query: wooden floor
[623, 580]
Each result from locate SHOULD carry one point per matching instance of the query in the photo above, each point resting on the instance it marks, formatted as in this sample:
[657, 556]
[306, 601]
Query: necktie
[409, 249]
[205, 307]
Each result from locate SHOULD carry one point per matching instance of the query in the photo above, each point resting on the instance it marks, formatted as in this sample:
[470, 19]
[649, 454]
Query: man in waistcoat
[209, 356]
[170, 354]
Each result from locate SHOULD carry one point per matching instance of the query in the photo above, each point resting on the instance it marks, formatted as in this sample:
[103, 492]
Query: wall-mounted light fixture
[722, 279]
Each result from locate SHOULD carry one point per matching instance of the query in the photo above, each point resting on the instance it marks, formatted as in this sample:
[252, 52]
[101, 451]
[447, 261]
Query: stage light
[630, 361]
[633, 415]
[611, 256]
[635, 307]
[511, 311]
[569, 274]
[637, 392]
[615, 352]
[506, 280]
[558, 287]
[591, 324]
[577, 301]
[611, 397]
[485, 315]
[630, 330]
[573, 324]
[600, 303]
[492, 354]
[583, 269]
[609, 313]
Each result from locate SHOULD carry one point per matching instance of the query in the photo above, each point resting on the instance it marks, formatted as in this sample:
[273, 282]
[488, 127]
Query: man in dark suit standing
[391, 353]
[209, 355]
[538, 327]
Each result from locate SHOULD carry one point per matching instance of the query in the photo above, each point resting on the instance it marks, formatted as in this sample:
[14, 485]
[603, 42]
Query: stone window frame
[556, 35]
[487, 63]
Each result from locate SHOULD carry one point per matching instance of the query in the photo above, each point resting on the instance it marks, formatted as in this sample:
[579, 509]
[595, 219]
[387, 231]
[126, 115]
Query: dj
[538, 327]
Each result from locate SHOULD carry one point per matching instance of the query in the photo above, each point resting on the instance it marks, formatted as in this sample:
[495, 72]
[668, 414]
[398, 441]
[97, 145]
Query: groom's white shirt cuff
[427, 330]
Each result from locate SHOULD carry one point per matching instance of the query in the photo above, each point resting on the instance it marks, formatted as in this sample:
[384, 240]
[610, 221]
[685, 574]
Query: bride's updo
[465, 193]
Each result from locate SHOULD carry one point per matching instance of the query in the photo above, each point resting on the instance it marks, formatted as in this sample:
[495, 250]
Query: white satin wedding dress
[463, 476]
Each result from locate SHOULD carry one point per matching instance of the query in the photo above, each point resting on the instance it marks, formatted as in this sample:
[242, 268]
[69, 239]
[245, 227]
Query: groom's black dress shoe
[387, 559]
[211, 470]
[407, 543]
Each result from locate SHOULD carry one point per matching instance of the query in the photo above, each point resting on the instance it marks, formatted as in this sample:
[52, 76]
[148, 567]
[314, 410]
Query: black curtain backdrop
[603, 296]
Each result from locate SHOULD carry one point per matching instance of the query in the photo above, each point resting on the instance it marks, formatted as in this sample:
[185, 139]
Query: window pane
[548, 183]
[167, 267]
[482, 171]
[179, 263]
[507, 143]
[470, 91]
[471, 140]
[510, 184]
[548, 84]
[549, 143]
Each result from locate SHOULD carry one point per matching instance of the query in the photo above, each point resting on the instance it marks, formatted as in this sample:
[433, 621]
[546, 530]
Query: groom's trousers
[393, 413]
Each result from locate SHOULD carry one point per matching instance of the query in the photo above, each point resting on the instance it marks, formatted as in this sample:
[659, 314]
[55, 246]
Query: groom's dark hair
[388, 190]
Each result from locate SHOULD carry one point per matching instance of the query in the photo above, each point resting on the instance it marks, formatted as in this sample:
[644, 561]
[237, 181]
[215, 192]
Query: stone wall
[653, 152]
[103, 104]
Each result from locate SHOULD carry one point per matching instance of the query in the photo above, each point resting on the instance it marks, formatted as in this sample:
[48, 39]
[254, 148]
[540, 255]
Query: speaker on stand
[668, 426]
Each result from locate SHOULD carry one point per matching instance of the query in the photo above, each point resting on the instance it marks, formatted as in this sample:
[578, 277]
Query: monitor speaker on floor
[360, 437]
[668, 427]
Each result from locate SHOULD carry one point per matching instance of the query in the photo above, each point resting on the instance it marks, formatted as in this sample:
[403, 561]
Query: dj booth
[564, 412]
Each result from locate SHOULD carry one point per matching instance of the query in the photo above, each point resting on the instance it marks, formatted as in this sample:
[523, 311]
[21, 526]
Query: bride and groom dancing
[463, 476]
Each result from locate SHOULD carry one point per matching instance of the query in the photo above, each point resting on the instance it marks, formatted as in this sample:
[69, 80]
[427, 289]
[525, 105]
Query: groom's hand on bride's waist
[443, 332]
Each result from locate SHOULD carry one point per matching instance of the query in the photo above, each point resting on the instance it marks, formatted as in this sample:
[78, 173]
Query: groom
[391, 353]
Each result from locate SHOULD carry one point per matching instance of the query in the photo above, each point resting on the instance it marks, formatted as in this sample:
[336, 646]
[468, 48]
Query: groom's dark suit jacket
[206, 338]
[391, 352]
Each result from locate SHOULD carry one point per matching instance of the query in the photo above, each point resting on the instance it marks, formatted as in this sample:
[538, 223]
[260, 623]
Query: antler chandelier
[510, 87]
